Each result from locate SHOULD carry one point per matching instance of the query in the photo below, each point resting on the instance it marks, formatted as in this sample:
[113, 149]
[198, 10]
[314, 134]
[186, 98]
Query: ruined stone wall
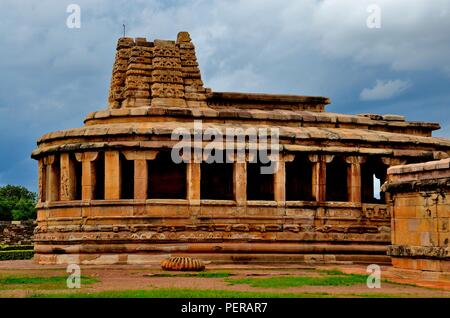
[16, 232]
[420, 207]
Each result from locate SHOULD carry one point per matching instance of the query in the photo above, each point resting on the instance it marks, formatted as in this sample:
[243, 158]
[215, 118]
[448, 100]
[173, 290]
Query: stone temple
[110, 192]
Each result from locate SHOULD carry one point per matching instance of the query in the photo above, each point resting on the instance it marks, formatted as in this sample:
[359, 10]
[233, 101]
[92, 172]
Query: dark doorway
[216, 181]
[259, 186]
[99, 164]
[337, 184]
[299, 179]
[127, 178]
[166, 179]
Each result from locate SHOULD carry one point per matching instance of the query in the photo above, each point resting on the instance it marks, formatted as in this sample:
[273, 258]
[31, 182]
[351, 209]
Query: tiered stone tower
[158, 73]
[110, 193]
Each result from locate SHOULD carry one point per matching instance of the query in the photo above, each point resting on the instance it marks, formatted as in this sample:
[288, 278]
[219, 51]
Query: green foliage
[6, 207]
[17, 203]
[24, 210]
[16, 254]
[16, 247]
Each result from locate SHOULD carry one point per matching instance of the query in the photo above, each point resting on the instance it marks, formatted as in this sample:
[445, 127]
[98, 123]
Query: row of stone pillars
[57, 178]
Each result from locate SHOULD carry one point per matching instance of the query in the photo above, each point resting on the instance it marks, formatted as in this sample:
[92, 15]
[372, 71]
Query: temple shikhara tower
[110, 193]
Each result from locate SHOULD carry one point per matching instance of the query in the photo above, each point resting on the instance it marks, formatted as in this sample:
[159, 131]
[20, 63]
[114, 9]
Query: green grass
[206, 293]
[298, 281]
[40, 282]
[382, 295]
[333, 271]
[9, 255]
[181, 293]
[200, 275]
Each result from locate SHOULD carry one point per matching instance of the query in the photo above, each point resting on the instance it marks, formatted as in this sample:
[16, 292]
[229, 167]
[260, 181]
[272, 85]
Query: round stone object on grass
[182, 264]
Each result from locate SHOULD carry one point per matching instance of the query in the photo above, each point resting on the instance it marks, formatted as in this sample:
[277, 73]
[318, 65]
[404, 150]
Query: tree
[17, 203]
[16, 193]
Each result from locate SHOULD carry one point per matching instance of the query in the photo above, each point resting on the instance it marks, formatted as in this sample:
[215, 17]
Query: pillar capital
[49, 160]
[289, 157]
[355, 159]
[86, 156]
[314, 158]
[140, 154]
[328, 158]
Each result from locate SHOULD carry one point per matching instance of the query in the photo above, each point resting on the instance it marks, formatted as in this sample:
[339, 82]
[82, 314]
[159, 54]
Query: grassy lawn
[199, 275]
[54, 286]
[181, 293]
[206, 293]
[39, 282]
[298, 281]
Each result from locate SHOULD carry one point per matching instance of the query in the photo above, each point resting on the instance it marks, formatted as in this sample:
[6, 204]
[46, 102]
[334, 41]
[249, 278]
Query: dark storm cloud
[53, 76]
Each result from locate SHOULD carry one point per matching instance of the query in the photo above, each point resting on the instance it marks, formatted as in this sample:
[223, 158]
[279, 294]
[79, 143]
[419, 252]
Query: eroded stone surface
[421, 213]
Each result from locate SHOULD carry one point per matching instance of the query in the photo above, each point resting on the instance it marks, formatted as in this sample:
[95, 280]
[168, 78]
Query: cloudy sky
[52, 76]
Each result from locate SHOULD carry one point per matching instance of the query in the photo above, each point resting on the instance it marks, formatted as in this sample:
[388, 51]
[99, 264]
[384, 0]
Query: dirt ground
[134, 277]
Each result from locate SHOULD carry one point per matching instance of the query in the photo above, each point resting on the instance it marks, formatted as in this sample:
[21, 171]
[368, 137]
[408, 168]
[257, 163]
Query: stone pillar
[112, 175]
[280, 178]
[319, 175]
[240, 182]
[88, 179]
[193, 182]
[52, 182]
[140, 159]
[68, 178]
[354, 178]
[140, 179]
[42, 179]
[316, 172]
[280, 181]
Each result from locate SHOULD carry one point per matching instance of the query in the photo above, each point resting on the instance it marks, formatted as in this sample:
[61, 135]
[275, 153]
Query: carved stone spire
[159, 73]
